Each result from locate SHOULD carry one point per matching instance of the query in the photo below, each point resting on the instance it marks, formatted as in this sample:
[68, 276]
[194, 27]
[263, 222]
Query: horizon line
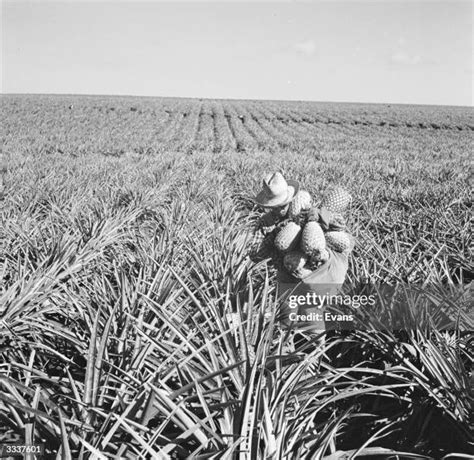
[232, 99]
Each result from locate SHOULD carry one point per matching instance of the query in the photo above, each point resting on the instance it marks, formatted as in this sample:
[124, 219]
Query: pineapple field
[134, 323]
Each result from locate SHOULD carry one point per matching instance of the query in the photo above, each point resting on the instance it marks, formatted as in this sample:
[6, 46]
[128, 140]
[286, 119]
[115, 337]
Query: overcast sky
[373, 51]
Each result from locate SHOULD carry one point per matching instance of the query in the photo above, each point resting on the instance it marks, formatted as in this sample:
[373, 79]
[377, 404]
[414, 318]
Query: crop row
[118, 126]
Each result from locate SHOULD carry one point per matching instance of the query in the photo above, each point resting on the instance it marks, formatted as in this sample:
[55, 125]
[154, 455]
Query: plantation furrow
[316, 128]
[301, 130]
[387, 130]
[199, 119]
[244, 139]
[284, 137]
[195, 127]
[175, 122]
[323, 123]
[184, 138]
[250, 126]
[218, 145]
[225, 136]
[264, 139]
[279, 134]
[205, 139]
[298, 123]
[272, 115]
[294, 137]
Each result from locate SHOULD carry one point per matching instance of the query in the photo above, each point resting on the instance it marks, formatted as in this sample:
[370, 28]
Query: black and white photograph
[236, 230]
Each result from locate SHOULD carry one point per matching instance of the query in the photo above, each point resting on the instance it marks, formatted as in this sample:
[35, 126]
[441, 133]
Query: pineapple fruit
[312, 238]
[339, 241]
[297, 237]
[288, 237]
[337, 200]
[301, 202]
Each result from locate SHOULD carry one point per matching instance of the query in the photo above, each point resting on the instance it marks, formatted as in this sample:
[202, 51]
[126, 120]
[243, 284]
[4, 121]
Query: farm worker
[277, 193]
[301, 292]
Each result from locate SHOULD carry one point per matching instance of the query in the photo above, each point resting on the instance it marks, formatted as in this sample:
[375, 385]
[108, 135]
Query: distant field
[123, 245]
[121, 125]
[408, 167]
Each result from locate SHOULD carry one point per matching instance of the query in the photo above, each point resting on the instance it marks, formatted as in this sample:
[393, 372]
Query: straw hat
[276, 191]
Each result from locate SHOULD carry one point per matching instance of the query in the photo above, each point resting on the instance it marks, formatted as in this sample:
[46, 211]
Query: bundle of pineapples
[297, 238]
